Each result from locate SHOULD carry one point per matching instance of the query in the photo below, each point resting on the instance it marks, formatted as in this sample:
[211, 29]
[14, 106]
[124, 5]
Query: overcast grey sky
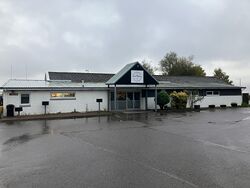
[104, 35]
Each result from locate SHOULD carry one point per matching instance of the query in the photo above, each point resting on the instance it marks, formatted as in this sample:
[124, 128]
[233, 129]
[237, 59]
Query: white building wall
[219, 100]
[204, 103]
[84, 101]
[151, 103]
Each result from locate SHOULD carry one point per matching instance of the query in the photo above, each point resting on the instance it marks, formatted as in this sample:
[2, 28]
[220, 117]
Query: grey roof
[123, 71]
[165, 81]
[80, 77]
[187, 79]
[192, 82]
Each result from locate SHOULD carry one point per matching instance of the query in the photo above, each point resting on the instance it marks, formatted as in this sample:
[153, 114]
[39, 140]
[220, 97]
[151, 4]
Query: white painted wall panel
[220, 100]
[88, 99]
[211, 100]
[151, 103]
[85, 100]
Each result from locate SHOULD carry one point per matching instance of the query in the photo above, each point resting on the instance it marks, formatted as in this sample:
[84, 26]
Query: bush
[162, 99]
[197, 107]
[233, 104]
[211, 106]
[179, 100]
[245, 105]
[223, 106]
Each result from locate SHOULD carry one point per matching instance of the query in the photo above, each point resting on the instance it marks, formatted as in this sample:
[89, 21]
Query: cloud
[102, 36]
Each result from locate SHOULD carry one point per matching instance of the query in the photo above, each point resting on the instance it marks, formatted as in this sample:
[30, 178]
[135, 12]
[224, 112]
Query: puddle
[14, 142]
[211, 122]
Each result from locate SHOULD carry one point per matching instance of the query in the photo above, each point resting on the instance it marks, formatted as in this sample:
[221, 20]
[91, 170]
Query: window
[62, 95]
[13, 94]
[69, 94]
[211, 93]
[25, 98]
[121, 96]
[216, 93]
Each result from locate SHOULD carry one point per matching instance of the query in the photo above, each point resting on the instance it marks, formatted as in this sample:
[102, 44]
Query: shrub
[162, 99]
[197, 107]
[233, 104]
[223, 106]
[211, 106]
[179, 100]
[245, 105]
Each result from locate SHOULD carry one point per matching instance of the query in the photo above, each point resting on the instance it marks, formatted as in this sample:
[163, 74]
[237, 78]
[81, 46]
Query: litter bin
[10, 110]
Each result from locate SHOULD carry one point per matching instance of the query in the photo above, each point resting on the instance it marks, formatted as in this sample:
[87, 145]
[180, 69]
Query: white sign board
[137, 76]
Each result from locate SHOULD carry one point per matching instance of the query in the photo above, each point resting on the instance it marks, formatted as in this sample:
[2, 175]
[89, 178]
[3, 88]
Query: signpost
[19, 109]
[99, 103]
[45, 104]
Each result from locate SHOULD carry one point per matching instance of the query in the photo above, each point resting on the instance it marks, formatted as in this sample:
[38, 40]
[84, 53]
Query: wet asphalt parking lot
[191, 149]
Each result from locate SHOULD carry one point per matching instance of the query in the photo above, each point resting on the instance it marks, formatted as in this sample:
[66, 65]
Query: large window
[25, 99]
[62, 95]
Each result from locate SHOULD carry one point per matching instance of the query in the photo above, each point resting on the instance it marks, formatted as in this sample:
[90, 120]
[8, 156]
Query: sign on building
[137, 76]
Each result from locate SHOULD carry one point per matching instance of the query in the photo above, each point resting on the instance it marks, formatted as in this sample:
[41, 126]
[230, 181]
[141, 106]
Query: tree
[148, 67]
[162, 99]
[218, 73]
[172, 65]
[194, 97]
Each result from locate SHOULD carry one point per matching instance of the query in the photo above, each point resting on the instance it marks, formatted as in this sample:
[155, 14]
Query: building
[132, 88]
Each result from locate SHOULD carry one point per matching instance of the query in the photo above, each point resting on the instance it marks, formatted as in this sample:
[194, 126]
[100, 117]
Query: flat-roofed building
[132, 88]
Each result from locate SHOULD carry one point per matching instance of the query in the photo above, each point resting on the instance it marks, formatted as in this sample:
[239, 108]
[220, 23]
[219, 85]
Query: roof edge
[134, 63]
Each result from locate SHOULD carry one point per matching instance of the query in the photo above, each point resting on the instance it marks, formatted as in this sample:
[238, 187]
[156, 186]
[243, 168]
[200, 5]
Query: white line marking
[232, 148]
[247, 118]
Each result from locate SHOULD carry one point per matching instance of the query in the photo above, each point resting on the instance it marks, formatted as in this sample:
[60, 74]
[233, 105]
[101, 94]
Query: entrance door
[121, 100]
[133, 100]
[137, 100]
[130, 99]
[126, 100]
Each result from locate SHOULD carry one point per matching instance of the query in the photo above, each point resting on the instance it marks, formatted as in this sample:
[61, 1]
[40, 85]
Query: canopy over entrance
[131, 75]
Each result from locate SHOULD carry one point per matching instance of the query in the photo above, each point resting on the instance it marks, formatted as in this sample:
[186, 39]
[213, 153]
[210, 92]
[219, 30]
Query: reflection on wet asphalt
[193, 149]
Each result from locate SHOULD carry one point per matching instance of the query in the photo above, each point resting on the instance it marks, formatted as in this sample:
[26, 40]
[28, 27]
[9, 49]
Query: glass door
[121, 100]
[137, 100]
[130, 99]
